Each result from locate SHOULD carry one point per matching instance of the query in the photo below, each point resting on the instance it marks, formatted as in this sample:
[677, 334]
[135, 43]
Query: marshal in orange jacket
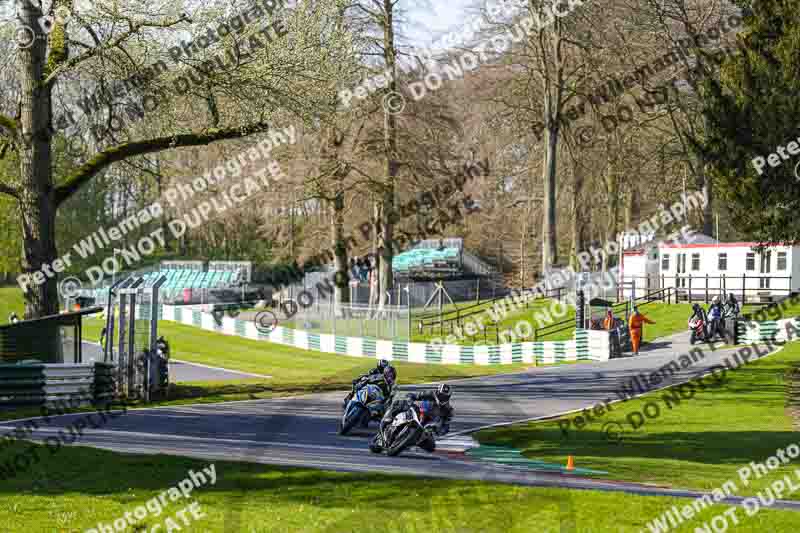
[636, 324]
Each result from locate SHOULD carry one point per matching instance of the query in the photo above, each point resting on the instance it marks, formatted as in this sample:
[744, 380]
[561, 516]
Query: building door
[765, 269]
[681, 279]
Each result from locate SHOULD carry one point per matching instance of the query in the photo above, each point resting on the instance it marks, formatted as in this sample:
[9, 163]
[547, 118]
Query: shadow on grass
[255, 390]
[707, 447]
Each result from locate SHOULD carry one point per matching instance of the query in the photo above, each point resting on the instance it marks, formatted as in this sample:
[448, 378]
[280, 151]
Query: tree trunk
[385, 241]
[612, 197]
[341, 278]
[577, 215]
[549, 235]
[373, 271]
[37, 196]
[632, 209]
[704, 180]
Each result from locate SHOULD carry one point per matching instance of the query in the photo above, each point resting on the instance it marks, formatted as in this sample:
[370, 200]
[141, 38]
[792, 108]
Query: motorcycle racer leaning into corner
[384, 376]
[443, 411]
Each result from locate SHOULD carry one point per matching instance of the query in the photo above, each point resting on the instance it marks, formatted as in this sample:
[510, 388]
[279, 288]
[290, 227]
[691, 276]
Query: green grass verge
[699, 443]
[10, 301]
[293, 371]
[77, 488]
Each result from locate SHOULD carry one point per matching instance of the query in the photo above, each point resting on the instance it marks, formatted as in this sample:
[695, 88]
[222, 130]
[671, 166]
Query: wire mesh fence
[353, 320]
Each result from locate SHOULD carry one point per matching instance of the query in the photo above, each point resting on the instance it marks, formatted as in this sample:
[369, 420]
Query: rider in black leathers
[440, 399]
[384, 376]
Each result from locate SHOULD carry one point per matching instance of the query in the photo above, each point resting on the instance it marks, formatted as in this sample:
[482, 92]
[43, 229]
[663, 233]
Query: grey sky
[428, 23]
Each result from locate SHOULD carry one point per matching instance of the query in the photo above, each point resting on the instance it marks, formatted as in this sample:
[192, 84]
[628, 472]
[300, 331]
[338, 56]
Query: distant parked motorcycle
[368, 403]
[412, 427]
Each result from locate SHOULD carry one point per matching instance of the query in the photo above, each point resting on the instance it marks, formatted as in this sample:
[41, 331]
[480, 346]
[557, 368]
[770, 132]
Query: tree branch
[10, 125]
[88, 170]
[7, 189]
[60, 64]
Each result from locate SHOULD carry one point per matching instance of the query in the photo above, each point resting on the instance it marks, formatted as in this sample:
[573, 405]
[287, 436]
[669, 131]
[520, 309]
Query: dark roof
[63, 319]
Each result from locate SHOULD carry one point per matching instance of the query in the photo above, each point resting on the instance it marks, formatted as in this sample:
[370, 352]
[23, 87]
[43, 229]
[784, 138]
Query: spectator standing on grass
[636, 326]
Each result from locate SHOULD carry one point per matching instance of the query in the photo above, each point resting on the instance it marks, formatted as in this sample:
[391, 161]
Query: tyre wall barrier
[585, 346]
[749, 332]
[41, 383]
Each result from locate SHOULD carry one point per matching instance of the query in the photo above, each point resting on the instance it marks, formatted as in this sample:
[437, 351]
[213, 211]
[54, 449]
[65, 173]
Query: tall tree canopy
[753, 111]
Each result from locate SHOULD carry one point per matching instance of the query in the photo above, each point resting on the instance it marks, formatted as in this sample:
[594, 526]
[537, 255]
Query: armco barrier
[585, 346]
[769, 330]
[40, 383]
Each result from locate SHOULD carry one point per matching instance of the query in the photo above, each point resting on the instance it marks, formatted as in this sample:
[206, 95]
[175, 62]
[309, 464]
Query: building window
[722, 262]
[781, 260]
[751, 261]
[695, 262]
[665, 262]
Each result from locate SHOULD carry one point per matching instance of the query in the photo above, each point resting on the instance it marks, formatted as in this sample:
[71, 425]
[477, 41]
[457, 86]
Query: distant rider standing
[714, 318]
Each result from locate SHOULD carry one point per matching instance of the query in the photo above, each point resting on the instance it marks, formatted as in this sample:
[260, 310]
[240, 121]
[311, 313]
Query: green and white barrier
[750, 332]
[585, 346]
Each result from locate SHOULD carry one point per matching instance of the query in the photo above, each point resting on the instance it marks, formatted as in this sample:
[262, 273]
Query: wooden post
[706, 287]
[690, 288]
[744, 292]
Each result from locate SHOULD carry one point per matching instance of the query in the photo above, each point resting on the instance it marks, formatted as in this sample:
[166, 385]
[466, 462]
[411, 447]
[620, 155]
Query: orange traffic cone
[570, 463]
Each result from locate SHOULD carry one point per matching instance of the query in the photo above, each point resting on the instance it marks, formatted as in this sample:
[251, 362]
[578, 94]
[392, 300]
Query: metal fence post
[744, 284]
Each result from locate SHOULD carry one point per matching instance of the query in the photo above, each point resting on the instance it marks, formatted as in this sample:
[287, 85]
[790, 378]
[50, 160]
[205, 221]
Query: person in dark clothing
[730, 314]
[384, 375]
[714, 318]
[732, 308]
[442, 411]
[699, 313]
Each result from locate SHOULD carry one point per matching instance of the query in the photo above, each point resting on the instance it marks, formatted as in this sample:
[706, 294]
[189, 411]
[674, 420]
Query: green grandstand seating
[424, 257]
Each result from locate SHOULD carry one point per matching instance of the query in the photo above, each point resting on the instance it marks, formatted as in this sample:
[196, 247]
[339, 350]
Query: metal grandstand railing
[183, 285]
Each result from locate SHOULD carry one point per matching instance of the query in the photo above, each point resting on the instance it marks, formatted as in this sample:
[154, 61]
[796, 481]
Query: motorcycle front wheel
[407, 436]
[349, 422]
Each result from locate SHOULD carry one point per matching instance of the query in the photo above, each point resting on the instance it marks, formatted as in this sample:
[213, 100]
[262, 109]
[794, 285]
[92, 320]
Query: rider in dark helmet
[384, 375]
[442, 410]
[699, 313]
[732, 308]
[714, 318]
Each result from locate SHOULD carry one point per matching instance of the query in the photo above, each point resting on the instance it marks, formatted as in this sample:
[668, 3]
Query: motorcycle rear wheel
[374, 447]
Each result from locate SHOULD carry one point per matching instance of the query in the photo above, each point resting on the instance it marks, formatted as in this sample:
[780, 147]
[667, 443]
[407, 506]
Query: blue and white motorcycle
[368, 403]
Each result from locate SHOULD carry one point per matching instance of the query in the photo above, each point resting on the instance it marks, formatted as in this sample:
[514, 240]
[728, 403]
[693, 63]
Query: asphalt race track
[301, 431]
